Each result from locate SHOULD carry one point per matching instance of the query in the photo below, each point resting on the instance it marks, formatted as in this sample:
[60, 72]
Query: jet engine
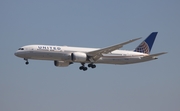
[79, 57]
[61, 63]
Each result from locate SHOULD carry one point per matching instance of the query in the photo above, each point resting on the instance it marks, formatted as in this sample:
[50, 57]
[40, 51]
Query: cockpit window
[21, 49]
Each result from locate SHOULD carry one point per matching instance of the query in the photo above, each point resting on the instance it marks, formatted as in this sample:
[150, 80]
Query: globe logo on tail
[143, 48]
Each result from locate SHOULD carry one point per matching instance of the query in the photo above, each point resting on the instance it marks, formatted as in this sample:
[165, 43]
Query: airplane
[63, 56]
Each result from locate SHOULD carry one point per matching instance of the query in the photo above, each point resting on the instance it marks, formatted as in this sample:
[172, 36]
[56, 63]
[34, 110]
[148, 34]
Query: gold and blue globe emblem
[143, 48]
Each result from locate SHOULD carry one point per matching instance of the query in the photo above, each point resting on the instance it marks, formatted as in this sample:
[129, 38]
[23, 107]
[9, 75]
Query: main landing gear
[92, 65]
[26, 61]
[84, 68]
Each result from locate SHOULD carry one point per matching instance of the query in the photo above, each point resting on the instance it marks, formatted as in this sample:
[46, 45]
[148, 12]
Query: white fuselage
[62, 53]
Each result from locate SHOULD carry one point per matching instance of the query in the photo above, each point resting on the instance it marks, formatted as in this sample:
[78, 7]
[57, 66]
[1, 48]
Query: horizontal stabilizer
[154, 55]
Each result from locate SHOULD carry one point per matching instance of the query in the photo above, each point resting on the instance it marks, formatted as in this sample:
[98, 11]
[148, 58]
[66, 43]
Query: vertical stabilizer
[146, 45]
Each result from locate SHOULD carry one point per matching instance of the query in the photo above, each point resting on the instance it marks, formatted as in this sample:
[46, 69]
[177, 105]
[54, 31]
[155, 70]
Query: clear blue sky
[40, 86]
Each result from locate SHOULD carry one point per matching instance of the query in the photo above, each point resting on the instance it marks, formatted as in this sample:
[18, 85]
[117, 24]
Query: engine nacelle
[61, 63]
[79, 57]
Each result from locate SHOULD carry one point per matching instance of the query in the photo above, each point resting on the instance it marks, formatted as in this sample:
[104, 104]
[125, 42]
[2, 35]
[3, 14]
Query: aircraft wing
[95, 55]
[154, 55]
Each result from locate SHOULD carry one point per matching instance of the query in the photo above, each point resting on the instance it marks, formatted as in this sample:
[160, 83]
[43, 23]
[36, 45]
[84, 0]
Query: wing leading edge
[95, 55]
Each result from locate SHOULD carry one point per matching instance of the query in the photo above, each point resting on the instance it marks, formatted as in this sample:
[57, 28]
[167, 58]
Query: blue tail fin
[146, 45]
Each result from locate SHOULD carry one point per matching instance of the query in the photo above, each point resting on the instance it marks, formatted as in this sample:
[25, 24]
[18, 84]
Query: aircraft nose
[19, 54]
[16, 54]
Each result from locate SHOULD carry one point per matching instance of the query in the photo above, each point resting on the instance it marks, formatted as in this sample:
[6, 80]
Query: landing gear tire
[89, 65]
[27, 63]
[83, 68]
[92, 65]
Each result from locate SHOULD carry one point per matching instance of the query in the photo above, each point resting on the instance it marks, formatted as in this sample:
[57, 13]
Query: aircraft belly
[62, 56]
[120, 60]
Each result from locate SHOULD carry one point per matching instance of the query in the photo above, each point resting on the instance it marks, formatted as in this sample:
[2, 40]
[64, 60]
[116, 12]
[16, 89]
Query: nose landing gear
[26, 61]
